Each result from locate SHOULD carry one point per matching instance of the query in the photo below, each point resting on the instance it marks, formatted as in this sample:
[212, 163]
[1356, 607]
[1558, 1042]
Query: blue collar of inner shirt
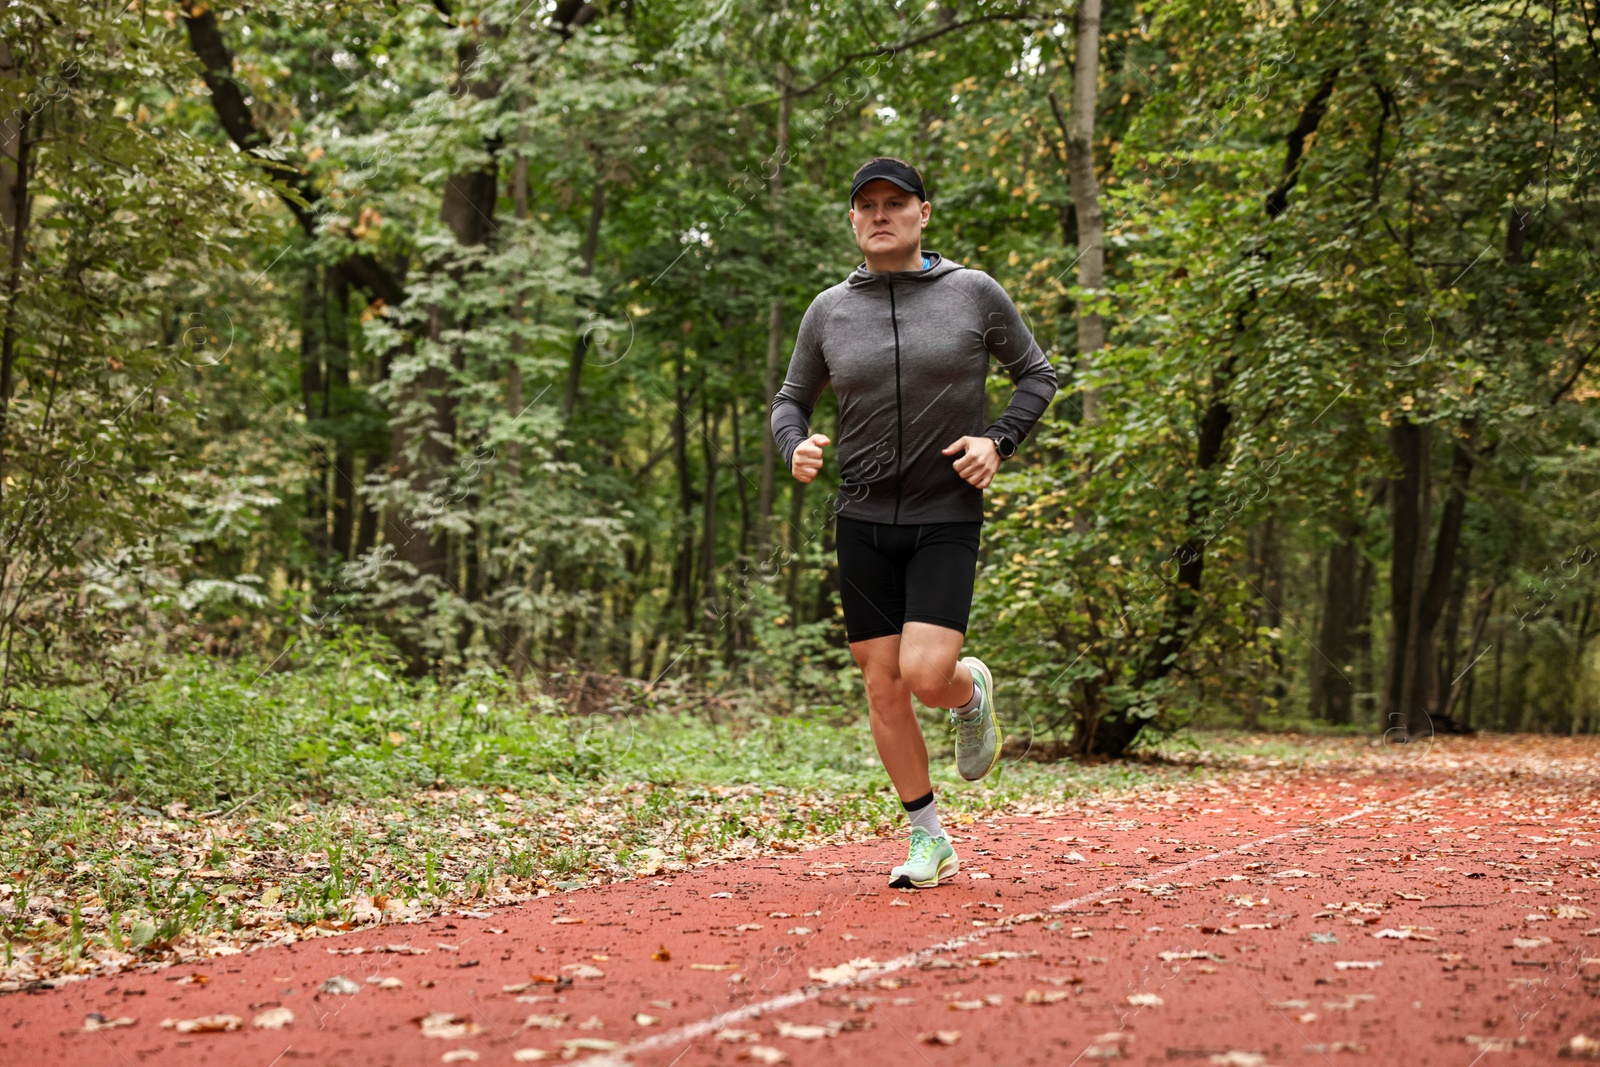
[926, 262]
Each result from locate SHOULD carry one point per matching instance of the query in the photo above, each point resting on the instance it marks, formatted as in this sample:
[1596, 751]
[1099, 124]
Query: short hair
[885, 159]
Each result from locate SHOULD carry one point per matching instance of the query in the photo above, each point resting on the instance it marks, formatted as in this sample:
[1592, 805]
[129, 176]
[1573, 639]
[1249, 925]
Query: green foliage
[341, 722]
[464, 341]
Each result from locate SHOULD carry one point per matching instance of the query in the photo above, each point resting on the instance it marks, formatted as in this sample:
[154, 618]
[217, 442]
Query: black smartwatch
[1004, 445]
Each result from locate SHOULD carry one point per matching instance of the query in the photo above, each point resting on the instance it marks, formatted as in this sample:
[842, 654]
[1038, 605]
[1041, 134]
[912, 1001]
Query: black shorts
[890, 575]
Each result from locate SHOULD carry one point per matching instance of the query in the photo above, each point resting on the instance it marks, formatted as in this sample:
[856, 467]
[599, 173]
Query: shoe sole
[977, 664]
[947, 869]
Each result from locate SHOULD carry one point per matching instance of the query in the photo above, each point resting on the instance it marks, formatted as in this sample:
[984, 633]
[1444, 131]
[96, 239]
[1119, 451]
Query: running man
[906, 341]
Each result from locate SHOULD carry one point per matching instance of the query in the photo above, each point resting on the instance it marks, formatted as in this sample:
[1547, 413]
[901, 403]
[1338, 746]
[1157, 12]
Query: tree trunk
[1086, 190]
[423, 447]
[367, 527]
[337, 387]
[591, 245]
[313, 406]
[710, 430]
[1332, 690]
[1408, 519]
[1442, 573]
[769, 447]
[1366, 581]
[15, 204]
[683, 570]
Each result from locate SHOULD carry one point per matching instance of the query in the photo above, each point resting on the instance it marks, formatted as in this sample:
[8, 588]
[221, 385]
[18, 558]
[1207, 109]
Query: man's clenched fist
[807, 459]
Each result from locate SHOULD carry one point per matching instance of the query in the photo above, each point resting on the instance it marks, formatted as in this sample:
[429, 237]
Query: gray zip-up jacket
[907, 352]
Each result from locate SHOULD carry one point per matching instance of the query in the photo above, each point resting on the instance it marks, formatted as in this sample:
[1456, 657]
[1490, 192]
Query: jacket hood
[937, 269]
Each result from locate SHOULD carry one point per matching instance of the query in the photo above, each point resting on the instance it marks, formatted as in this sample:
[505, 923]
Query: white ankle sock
[927, 817]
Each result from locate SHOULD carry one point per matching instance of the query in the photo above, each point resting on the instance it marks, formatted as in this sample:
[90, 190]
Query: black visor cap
[899, 173]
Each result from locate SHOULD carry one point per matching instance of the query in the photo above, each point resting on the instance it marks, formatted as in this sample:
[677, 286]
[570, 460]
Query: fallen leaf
[1570, 911]
[529, 1055]
[1494, 1044]
[573, 1046]
[803, 1031]
[645, 1020]
[584, 970]
[1144, 1000]
[447, 1025]
[899, 904]
[459, 1055]
[965, 1005]
[712, 966]
[1358, 965]
[1239, 1059]
[546, 1022]
[206, 1024]
[273, 1019]
[565, 920]
[977, 875]
[95, 1021]
[339, 984]
[1581, 1047]
[764, 1054]
[747, 927]
[733, 1034]
[387, 983]
[1052, 996]
[661, 955]
[1190, 955]
[939, 1037]
[841, 973]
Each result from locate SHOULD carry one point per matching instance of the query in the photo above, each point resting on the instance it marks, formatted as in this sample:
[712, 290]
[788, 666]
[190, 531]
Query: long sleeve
[1008, 339]
[802, 384]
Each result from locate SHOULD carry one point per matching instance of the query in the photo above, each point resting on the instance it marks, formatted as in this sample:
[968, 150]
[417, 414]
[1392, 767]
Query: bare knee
[926, 678]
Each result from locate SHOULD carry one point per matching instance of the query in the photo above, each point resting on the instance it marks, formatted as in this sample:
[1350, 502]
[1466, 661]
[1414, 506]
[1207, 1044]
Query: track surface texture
[1431, 910]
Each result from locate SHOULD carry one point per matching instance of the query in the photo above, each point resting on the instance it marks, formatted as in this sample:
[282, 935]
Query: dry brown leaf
[939, 1037]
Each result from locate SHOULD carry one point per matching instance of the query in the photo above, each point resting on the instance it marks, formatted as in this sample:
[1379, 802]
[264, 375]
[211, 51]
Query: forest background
[432, 343]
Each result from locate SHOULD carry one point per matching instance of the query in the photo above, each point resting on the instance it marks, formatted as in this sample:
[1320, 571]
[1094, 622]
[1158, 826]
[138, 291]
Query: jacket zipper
[899, 419]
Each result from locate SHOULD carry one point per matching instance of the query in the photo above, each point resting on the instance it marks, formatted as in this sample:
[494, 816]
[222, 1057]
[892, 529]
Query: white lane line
[785, 1001]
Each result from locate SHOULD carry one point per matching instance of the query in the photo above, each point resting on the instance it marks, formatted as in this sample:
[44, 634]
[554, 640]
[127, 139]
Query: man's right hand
[807, 460]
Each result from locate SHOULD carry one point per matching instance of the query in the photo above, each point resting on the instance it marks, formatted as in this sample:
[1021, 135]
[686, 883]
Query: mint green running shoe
[932, 859]
[978, 738]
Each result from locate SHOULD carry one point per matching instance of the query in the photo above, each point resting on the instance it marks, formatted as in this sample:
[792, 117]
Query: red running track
[1398, 915]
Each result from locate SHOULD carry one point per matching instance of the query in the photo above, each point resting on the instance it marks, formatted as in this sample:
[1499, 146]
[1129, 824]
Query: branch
[1572, 379]
[205, 40]
[848, 58]
[1310, 119]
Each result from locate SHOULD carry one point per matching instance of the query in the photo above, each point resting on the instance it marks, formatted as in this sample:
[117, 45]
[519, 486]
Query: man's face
[887, 219]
